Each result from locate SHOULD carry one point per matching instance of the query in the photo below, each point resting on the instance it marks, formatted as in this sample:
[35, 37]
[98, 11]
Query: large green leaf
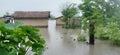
[1, 23]
[12, 26]
[15, 38]
[3, 51]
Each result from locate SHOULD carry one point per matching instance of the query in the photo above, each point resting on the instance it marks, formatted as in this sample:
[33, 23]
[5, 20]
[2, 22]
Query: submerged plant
[81, 38]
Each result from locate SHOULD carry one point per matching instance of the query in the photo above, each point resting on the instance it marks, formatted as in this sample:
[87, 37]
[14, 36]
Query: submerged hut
[59, 21]
[32, 18]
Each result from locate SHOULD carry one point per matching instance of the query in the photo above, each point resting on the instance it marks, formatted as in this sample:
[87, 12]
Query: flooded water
[62, 42]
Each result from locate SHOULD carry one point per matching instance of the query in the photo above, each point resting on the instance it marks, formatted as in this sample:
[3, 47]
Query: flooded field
[62, 42]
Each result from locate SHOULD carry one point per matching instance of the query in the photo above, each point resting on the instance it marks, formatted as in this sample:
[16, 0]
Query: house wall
[34, 22]
[59, 22]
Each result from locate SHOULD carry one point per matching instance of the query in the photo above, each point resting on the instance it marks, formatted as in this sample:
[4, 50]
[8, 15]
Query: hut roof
[31, 14]
[59, 17]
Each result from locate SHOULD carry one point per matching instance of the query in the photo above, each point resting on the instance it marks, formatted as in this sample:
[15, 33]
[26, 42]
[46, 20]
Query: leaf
[17, 24]
[13, 52]
[22, 51]
[16, 34]
[2, 24]
[3, 51]
[12, 26]
[28, 43]
[9, 26]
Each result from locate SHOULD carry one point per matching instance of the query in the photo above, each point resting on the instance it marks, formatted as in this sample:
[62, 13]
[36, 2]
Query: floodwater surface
[61, 41]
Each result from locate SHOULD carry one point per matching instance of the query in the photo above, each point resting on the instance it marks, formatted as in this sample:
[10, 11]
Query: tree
[95, 12]
[69, 12]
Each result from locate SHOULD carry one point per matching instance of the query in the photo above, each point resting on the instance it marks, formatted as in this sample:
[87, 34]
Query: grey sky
[34, 5]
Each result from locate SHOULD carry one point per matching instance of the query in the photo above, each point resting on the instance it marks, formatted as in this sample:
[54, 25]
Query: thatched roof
[31, 14]
[59, 17]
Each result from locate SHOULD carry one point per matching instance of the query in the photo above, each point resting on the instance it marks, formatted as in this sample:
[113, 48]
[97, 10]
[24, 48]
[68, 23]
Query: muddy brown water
[61, 42]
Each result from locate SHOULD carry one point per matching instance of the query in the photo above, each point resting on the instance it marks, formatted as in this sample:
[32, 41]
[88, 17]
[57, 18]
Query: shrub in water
[81, 37]
[102, 33]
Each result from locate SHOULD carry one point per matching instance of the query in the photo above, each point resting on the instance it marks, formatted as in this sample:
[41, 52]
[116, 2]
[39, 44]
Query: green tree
[96, 12]
[68, 13]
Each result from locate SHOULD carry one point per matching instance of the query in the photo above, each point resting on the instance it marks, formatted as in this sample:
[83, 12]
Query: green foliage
[90, 12]
[99, 11]
[13, 26]
[3, 51]
[91, 16]
[110, 32]
[114, 33]
[81, 37]
[102, 12]
[68, 13]
[102, 33]
[70, 26]
[15, 38]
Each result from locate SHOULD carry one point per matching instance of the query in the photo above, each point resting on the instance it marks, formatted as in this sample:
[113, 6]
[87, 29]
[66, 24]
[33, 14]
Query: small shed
[32, 18]
[59, 21]
[75, 20]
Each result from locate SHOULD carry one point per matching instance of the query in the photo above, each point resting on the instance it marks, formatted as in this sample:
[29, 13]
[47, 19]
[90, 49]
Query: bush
[114, 33]
[70, 26]
[102, 33]
[115, 38]
[115, 41]
[81, 37]
[110, 32]
[17, 39]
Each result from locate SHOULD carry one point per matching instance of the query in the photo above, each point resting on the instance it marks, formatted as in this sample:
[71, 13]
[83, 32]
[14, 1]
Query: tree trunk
[91, 33]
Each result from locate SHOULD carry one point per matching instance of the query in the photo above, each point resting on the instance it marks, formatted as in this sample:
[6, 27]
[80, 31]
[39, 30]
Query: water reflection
[61, 42]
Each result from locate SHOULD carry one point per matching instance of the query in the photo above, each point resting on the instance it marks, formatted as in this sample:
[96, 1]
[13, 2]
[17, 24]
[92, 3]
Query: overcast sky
[34, 5]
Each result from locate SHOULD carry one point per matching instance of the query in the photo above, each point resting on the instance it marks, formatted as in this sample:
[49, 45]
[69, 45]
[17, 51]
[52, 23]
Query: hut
[32, 18]
[75, 20]
[59, 21]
